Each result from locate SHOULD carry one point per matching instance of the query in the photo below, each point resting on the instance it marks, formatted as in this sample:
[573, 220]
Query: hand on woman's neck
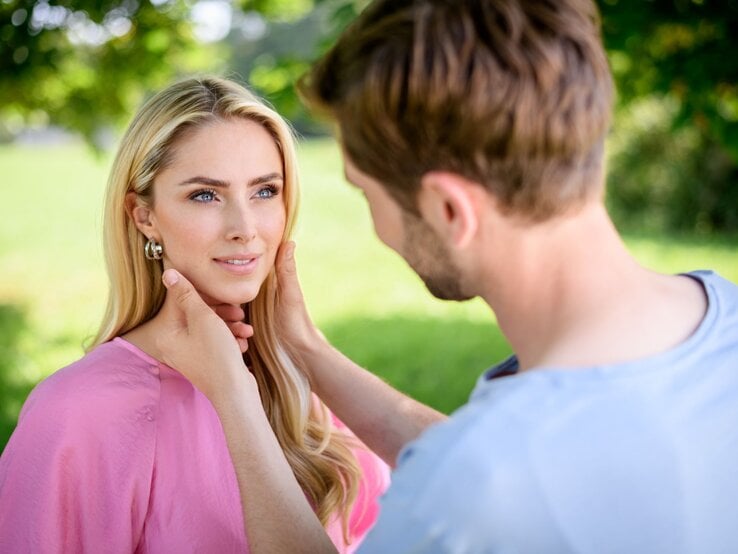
[144, 335]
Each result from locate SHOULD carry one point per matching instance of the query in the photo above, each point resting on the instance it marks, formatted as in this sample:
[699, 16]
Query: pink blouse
[120, 453]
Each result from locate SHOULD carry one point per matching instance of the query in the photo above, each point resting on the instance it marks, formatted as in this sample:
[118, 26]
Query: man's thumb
[286, 259]
[182, 291]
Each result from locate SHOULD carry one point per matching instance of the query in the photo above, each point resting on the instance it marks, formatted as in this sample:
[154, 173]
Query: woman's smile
[240, 264]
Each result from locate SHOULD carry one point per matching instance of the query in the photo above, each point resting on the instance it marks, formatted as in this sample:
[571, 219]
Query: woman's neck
[144, 336]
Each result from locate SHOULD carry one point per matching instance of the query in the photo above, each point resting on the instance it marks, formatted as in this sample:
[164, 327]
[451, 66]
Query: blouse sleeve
[76, 473]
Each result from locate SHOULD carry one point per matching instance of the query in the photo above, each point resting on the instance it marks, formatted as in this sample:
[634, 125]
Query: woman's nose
[239, 224]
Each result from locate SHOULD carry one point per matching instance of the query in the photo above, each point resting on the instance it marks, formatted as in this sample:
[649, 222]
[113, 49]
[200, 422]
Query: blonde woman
[118, 452]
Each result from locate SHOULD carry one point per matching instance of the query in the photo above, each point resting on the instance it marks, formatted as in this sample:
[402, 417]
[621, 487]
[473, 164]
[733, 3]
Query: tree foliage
[675, 164]
[86, 64]
[83, 63]
[273, 62]
[667, 177]
[683, 49]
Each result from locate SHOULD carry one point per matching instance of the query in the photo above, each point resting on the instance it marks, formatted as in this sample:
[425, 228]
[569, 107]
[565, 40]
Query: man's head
[513, 96]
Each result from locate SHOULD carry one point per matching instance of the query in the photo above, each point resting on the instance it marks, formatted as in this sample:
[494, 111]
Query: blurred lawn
[52, 282]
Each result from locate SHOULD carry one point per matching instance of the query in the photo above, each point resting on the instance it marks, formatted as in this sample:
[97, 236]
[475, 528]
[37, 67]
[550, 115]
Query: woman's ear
[450, 204]
[140, 215]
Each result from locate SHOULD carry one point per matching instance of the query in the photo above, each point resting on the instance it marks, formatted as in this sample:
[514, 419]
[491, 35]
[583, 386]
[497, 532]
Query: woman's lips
[238, 265]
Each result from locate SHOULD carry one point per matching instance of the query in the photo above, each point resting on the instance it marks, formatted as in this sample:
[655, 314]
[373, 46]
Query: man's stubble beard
[426, 254]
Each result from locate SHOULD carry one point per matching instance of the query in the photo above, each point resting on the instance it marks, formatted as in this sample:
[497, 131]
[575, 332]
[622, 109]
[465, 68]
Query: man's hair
[513, 94]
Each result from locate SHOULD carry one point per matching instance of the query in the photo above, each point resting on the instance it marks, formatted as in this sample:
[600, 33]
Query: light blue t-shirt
[628, 458]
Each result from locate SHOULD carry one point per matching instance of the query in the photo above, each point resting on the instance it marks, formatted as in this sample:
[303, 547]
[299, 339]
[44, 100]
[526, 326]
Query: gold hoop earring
[153, 250]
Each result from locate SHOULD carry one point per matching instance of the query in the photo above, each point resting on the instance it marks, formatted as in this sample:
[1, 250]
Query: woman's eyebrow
[266, 179]
[200, 180]
[205, 181]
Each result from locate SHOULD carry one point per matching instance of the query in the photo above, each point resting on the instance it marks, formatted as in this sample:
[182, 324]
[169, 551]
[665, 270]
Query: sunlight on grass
[50, 249]
[363, 295]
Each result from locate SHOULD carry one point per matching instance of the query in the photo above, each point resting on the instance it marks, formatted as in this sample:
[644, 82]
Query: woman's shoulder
[109, 381]
[79, 465]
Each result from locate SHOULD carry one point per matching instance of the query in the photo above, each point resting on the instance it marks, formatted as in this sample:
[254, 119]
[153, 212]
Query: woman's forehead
[238, 147]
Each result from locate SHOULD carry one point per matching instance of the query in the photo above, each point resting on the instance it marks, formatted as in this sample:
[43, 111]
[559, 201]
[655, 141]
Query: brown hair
[513, 94]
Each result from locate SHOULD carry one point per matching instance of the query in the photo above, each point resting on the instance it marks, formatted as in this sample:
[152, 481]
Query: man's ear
[450, 203]
[140, 215]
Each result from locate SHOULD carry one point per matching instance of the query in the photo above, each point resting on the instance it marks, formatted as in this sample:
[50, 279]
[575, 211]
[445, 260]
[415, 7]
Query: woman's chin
[236, 298]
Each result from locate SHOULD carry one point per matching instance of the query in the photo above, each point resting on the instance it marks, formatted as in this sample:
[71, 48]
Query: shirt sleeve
[76, 473]
[466, 485]
[399, 530]
[445, 495]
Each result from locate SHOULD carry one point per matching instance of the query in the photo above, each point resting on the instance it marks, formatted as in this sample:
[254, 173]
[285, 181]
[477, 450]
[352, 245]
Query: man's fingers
[193, 308]
[229, 312]
[243, 345]
[241, 330]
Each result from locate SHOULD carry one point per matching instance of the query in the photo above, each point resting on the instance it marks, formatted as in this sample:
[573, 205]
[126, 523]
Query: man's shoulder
[472, 481]
[486, 434]
[571, 462]
[491, 433]
[715, 341]
[719, 289]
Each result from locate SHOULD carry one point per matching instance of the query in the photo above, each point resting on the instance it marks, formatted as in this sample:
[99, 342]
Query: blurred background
[73, 72]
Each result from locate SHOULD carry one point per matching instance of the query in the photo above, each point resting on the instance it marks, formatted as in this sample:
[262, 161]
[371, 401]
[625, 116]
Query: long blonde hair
[320, 457]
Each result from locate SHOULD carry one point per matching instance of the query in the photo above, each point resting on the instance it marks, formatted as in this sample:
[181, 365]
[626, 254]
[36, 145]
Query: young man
[475, 128]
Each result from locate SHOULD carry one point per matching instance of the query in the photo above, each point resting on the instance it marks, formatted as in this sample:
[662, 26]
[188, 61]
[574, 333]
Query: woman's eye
[203, 196]
[267, 192]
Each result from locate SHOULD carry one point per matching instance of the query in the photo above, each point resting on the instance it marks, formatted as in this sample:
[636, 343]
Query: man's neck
[568, 294]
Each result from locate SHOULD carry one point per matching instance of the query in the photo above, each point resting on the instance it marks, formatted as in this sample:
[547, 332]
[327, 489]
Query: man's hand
[198, 343]
[201, 345]
[293, 321]
[233, 316]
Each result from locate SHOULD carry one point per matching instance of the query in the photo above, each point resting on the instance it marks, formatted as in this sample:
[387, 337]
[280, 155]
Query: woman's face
[218, 209]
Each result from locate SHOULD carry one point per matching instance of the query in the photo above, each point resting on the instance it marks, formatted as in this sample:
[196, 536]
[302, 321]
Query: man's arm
[277, 515]
[286, 522]
[381, 416]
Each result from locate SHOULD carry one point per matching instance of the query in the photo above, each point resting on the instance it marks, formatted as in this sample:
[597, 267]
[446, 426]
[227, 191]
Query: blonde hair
[320, 457]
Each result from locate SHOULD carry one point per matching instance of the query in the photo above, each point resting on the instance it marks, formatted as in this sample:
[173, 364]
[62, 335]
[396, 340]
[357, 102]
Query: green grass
[361, 294]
